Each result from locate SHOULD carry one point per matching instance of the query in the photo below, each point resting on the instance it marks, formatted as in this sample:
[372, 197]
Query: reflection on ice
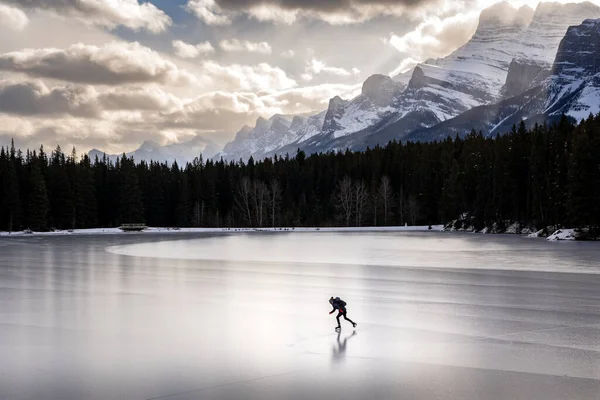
[440, 317]
[423, 250]
[339, 348]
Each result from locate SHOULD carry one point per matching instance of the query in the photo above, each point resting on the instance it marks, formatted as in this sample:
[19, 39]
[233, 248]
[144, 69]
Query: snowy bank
[563, 234]
[464, 224]
[117, 231]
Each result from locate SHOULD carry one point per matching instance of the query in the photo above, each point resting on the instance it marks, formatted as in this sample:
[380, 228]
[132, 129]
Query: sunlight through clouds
[13, 18]
[186, 50]
[103, 72]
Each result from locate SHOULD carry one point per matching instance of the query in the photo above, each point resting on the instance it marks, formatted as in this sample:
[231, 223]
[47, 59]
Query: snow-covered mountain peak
[545, 10]
[548, 26]
[337, 101]
[418, 78]
[579, 50]
[279, 125]
[243, 133]
[503, 13]
[574, 87]
[181, 153]
[149, 146]
[335, 111]
[262, 123]
[381, 89]
[511, 53]
[297, 122]
[522, 74]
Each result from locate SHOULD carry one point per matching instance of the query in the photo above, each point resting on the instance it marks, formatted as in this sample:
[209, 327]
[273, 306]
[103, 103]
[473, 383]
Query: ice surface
[245, 316]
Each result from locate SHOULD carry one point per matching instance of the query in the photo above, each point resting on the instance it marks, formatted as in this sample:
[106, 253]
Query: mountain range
[521, 64]
[181, 152]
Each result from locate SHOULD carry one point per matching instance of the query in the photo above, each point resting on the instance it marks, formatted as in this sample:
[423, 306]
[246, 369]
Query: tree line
[538, 177]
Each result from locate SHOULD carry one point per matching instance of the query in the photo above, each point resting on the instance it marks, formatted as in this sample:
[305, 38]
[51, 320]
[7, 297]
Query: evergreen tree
[37, 210]
[131, 208]
[62, 209]
[547, 175]
[86, 209]
[11, 202]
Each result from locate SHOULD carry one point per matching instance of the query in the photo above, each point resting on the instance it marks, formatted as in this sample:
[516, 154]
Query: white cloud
[228, 111]
[436, 37]
[237, 77]
[186, 50]
[405, 66]
[269, 13]
[311, 98]
[112, 64]
[119, 118]
[13, 18]
[108, 13]
[288, 54]
[142, 98]
[317, 67]
[235, 45]
[209, 12]
[334, 12]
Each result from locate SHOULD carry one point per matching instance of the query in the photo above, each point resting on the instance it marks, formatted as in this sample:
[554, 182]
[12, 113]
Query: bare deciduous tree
[385, 194]
[375, 199]
[243, 198]
[260, 201]
[275, 198]
[344, 198]
[413, 209]
[401, 206]
[360, 199]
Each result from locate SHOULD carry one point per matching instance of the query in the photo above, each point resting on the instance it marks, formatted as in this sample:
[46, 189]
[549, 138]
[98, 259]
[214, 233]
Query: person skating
[340, 305]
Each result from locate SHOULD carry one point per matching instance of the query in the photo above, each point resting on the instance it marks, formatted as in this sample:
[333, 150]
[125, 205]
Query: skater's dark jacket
[338, 304]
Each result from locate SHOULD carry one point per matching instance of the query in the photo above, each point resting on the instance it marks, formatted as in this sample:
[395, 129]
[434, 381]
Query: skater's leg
[349, 320]
[338, 320]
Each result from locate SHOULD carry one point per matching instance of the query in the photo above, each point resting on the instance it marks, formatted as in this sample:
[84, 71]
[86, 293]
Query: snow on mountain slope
[476, 74]
[489, 52]
[522, 41]
[572, 88]
[269, 135]
[342, 117]
[377, 101]
[181, 152]
[548, 26]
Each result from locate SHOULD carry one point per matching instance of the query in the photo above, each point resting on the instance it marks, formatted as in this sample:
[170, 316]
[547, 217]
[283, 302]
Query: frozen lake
[190, 316]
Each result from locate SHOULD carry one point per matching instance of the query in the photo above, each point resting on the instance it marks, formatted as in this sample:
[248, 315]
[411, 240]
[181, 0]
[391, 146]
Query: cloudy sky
[110, 74]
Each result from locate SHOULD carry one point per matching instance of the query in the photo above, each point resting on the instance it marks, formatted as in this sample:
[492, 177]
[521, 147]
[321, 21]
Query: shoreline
[563, 234]
[154, 230]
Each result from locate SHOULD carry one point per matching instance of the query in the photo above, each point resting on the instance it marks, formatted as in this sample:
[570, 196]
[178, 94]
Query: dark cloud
[112, 64]
[326, 6]
[30, 99]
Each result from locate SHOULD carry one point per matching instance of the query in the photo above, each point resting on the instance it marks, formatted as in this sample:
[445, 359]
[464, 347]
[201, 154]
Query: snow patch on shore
[563, 234]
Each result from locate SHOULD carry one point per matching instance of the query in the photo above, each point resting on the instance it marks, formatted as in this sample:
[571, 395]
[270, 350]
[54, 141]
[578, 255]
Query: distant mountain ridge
[571, 87]
[520, 64]
[181, 152]
[511, 52]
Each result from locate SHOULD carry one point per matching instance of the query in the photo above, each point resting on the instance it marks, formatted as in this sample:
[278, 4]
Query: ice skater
[340, 305]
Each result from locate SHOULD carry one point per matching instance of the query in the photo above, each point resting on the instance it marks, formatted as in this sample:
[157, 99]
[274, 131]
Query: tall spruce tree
[131, 207]
[37, 210]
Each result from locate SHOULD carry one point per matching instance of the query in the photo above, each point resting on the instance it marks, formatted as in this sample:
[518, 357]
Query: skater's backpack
[340, 302]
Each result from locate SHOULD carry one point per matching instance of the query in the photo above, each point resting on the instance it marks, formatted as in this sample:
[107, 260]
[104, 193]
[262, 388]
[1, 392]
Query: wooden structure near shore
[133, 227]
